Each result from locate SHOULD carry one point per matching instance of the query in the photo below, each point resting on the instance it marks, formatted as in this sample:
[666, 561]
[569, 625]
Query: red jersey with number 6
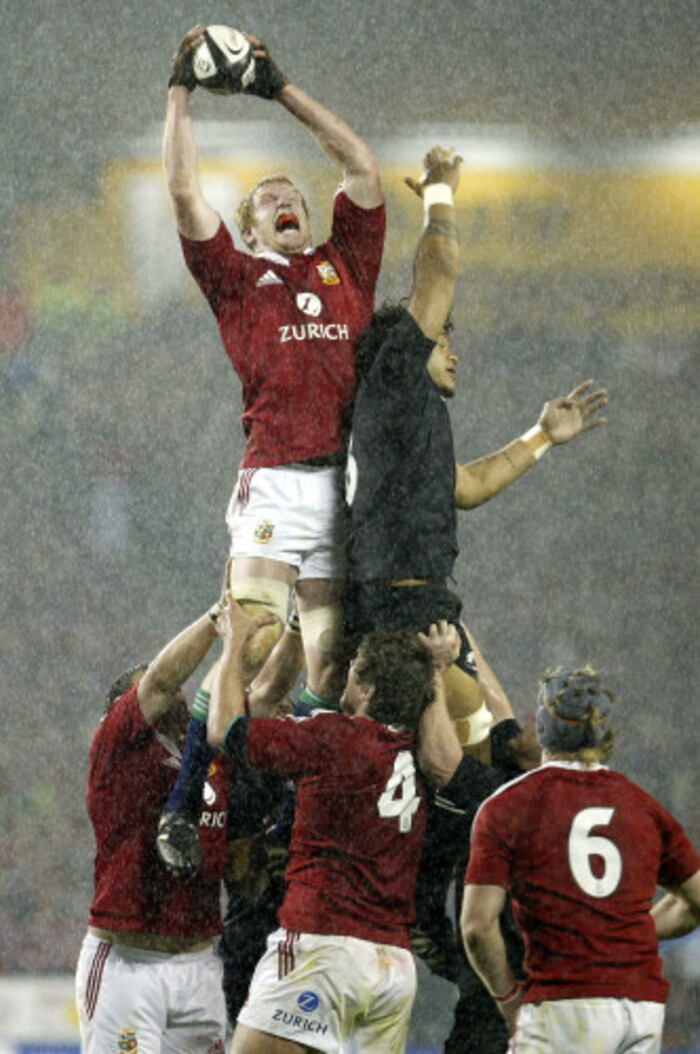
[289, 327]
[359, 823]
[582, 851]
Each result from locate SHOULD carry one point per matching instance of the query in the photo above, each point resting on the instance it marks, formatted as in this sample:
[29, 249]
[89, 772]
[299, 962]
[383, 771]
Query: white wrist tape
[545, 441]
[436, 194]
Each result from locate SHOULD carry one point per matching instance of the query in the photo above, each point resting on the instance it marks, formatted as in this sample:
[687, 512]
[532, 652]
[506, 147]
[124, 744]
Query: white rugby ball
[224, 63]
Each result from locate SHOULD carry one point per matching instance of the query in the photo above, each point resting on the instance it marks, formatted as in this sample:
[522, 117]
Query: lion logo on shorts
[264, 531]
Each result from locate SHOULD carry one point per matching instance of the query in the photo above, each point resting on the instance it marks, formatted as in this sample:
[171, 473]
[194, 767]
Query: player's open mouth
[286, 221]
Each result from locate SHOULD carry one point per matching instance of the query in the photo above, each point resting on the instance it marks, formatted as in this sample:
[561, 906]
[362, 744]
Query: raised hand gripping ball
[224, 63]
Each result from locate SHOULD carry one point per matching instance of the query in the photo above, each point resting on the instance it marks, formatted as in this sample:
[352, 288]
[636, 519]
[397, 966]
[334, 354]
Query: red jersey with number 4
[582, 851]
[289, 327]
[132, 770]
[358, 827]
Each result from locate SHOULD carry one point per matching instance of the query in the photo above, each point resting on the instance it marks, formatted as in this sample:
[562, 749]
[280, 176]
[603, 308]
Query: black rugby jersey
[401, 466]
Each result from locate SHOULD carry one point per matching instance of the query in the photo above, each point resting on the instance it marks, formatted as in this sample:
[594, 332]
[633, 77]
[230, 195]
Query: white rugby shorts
[332, 993]
[585, 1026]
[159, 1003]
[292, 514]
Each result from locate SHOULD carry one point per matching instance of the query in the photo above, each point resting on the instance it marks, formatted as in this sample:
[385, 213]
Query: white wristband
[545, 442]
[436, 194]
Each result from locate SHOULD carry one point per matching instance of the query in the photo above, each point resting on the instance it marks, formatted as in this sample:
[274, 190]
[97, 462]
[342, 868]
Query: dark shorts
[381, 606]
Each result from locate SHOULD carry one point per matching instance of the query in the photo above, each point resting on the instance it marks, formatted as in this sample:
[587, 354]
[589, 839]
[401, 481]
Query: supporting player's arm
[678, 913]
[196, 219]
[173, 665]
[561, 420]
[436, 263]
[494, 693]
[439, 750]
[228, 689]
[483, 942]
[341, 145]
[279, 672]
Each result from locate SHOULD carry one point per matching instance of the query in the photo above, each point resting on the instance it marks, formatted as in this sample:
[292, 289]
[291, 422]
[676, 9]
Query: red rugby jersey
[582, 851]
[359, 823]
[131, 772]
[289, 326]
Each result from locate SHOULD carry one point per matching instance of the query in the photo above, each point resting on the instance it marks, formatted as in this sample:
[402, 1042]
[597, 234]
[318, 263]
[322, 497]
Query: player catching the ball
[288, 316]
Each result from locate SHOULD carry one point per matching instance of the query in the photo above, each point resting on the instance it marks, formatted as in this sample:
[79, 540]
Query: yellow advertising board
[609, 248]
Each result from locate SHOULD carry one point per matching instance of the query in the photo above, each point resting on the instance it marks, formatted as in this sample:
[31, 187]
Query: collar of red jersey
[274, 257]
[578, 765]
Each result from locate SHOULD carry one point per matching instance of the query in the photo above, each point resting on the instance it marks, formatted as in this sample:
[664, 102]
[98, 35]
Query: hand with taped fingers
[568, 416]
[444, 643]
[182, 73]
[439, 166]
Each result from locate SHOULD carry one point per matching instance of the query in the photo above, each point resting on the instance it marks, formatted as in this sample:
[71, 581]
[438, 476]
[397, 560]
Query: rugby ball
[224, 62]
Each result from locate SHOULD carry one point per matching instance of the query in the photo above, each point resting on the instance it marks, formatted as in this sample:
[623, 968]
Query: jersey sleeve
[679, 859]
[358, 236]
[490, 855]
[217, 267]
[291, 746]
[122, 730]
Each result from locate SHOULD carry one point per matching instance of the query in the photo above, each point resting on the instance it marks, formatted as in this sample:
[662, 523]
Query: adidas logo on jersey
[269, 278]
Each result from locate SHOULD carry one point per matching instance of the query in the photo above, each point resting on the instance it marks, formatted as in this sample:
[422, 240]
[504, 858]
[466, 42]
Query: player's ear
[248, 237]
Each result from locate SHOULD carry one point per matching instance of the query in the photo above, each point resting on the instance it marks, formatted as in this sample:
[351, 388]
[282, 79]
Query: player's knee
[321, 632]
[320, 628]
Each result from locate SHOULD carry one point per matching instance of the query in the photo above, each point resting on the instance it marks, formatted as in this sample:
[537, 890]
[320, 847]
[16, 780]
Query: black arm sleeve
[471, 783]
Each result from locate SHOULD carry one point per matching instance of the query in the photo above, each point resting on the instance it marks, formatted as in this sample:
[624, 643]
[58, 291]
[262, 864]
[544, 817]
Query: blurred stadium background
[580, 219]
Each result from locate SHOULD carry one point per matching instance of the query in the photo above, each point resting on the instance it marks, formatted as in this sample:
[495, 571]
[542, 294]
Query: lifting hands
[442, 640]
[439, 167]
[569, 415]
[235, 626]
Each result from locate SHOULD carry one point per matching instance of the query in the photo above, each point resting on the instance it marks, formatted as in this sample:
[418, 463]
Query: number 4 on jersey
[399, 797]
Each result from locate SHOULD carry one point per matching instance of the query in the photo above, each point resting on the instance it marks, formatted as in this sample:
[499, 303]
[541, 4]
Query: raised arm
[436, 263]
[196, 219]
[360, 171]
[164, 677]
[561, 420]
[439, 750]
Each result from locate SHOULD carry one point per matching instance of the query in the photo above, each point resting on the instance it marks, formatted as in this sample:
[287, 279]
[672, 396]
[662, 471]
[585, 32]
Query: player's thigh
[464, 694]
[319, 602]
[118, 998]
[589, 1026]
[385, 1025]
[264, 581]
[261, 586]
[312, 989]
[196, 1006]
[250, 1041]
